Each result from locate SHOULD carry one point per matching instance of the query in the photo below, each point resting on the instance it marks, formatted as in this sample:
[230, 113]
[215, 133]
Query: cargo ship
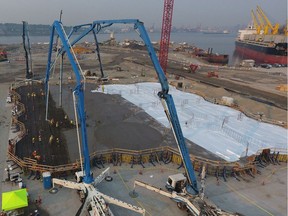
[215, 58]
[270, 49]
[211, 57]
[262, 41]
[215, 32]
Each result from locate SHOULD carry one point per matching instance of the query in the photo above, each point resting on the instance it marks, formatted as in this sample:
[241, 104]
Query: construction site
[106, 129]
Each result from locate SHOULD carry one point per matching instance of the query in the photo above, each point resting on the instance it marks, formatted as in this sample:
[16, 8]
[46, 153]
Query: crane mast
[27, 49]
[165, 33]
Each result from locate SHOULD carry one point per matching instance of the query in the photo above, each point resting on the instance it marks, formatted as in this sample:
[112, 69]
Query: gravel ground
[107, 116]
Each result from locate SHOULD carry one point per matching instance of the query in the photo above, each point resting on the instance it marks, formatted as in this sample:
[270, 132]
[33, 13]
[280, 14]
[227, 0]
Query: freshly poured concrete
[219, 129]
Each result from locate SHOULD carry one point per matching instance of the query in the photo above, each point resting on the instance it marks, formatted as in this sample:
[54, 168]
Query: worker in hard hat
[34, 153]
[52, 122]
[40, 138]
[37, 157]
[33, 141]
[51, 139]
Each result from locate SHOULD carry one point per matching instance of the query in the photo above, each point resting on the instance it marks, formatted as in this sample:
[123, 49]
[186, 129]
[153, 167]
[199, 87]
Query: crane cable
[54, 63]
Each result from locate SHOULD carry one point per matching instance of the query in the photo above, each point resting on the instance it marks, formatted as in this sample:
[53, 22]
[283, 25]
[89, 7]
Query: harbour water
[221, 43]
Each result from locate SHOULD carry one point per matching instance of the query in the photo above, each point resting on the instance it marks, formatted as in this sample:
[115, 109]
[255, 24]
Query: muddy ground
[43, 138]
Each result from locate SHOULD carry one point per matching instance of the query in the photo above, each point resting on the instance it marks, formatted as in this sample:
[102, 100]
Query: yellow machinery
[268, 25]
[81, 50]
[256, 24]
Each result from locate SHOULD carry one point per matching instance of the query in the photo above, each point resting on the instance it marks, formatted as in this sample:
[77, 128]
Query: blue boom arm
[172, 113]
[78, 92]
[163, 94]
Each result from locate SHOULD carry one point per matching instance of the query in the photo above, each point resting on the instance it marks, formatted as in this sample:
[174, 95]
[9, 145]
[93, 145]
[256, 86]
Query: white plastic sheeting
[219, 129]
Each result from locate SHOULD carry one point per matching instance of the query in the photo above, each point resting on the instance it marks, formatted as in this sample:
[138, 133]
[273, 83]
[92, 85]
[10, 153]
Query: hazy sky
[186, 12]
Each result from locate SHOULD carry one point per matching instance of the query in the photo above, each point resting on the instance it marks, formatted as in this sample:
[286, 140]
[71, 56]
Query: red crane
[165, 33]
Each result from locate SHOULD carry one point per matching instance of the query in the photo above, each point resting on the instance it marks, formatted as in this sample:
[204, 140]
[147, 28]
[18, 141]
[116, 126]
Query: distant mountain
[13, 29]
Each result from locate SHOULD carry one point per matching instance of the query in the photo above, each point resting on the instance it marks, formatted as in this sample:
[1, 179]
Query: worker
[51, 122]
[34, 153]
[36, 213]
[33, 141]
[11, 146]
[37, 157]
[50, 139]
[57, 124]
[57, 141]
[40, 138]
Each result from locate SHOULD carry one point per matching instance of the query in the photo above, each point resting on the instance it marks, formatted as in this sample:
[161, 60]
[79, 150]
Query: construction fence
[140, 158]
[154, 156]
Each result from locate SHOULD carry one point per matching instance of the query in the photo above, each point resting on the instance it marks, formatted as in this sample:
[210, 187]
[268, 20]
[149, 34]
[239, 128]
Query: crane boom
[78, 92]
[163, 94]
[174, 196]
[256, 24]
[262, 27]
[274, 29]
[165, 33]
[165, 97]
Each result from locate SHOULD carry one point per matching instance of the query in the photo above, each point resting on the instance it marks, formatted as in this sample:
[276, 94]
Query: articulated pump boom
[91, 195]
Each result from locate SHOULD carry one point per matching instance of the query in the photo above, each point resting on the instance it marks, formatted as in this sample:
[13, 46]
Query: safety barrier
[15, 95]
[20, 108]
[241, 109]
[282, 153]
[22, 82]
[165, 154]
[154, 156]
[21, 131]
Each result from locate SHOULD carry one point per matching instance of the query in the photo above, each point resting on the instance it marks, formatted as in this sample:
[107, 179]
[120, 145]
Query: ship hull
[261, 54]
[217, 59]
[3, 56]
